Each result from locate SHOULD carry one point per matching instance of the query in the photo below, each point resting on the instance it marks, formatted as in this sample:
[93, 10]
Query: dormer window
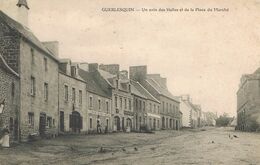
[129, 88]
[73, 71]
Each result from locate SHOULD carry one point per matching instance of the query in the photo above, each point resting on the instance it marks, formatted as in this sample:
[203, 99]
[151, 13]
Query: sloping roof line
[135, 91]
[7, 67]
[26, 34]
[154, 99]
[161, 90]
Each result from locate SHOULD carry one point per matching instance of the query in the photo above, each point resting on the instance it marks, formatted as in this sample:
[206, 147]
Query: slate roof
[26, 33]
[93, 83]
[161, 90]
[107, 76]
[143, 91]
[135, 91]
[5, 66]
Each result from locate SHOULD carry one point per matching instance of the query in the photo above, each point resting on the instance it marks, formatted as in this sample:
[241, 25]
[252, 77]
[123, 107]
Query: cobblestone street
[210, 146]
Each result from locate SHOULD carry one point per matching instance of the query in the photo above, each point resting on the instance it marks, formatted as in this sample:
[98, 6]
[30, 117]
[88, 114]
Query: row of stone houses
[43, 94]
[248, 102]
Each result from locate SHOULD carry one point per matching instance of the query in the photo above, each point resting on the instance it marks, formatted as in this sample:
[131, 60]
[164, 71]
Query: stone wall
[33, 65]
[9, 46]
[9, 91]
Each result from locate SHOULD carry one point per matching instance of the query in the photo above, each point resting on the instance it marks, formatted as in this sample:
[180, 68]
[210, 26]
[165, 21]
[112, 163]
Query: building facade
[98, 100]
[72, 99]
[37, 67]
[122, 100]
[9, 100]
[157, 86]
[248, 102]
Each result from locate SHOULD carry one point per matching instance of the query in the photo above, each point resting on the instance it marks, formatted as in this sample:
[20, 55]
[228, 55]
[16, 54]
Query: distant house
[98, 100]
[149, 114]
[122, 99]
[190, 113]
[157, 86]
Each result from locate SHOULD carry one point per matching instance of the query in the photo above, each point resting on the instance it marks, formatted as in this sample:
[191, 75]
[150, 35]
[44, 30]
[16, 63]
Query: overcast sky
[202, 54]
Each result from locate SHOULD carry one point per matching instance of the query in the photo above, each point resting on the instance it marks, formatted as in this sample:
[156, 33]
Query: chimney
[138, 73]
[84, 66]
[160, 80]
[53, 47]
[93, 67]
[22, 13]
[123, 74]
[65, 66]
[111, 68]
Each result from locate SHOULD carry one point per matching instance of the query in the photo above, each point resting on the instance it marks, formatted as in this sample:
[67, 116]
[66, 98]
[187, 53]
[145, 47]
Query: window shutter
[80, 122]
[70, 121]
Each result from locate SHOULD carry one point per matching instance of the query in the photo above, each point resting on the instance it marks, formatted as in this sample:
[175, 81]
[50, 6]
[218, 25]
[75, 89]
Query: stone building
[122, 100]
[146, 107]
[37, 66]
[248, 102]
[157, 86]
[9, 99]
[139, 107]
[190, 114]
[72, 99]
[98, 99]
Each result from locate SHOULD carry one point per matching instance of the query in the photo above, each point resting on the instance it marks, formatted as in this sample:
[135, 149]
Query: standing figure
[5, 139]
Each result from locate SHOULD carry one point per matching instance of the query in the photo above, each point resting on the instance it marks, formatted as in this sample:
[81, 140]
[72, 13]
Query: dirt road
[213, 146]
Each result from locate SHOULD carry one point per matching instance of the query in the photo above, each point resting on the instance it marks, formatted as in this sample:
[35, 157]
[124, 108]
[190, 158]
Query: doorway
[42, 124]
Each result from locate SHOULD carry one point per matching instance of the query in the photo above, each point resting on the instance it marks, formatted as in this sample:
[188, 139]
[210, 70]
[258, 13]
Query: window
[171, 108]
[143, 106]
[116, 83]
[140, 105]
[45, 64]
[53, 122]
[99, 104]
[45, 91]
[163, 106]
[31, 118]
[125, 104]
[107, 106]
[158, 108]
[33, 58]
[11, 124]
[32, 86]
[130, 104]
[116, 101]
[66, 93]
[90, 123]
[49, 122]
[13, 89]
[129, 88]
[90, 101]
[80, 97]
[150, 107]
[154, 108]
[107, 123]
[121, 103]
[167, 107]
[73, 95]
